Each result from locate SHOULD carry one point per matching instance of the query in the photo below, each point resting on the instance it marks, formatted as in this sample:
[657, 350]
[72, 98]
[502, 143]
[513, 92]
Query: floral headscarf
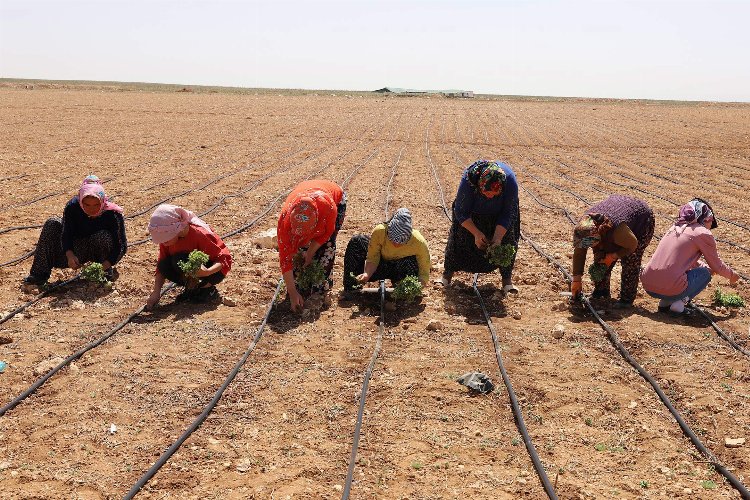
[487, 177]
[304, 217]
[695, 210]
[589, 230]
[92, 186]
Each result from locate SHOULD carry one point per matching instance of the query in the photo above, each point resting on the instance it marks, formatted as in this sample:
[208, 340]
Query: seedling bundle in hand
[500, 255]
[192, 265]
[728, 299]
[94, 272]
[408, 289]
[597, 271]
[308, 276]
[353, 277]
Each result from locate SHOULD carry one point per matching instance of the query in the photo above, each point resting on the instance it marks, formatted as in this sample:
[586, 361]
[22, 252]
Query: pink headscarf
[168, 220]
[92, 186]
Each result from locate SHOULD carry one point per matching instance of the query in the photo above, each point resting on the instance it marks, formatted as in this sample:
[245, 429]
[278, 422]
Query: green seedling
[709, 485]
[597, 271]
[308, 276]
[408, 289]
[94, 272]
[728, 299]
[196, 259]
[357, 285]
[500, 255]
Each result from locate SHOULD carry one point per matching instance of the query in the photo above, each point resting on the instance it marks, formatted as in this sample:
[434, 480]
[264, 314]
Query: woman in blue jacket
[485, 213]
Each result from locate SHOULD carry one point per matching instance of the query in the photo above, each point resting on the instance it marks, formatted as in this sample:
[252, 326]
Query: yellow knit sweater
[381, 247]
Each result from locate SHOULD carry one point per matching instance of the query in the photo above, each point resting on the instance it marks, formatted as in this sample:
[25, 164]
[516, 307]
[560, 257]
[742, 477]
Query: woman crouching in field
[178, 232]
[675, 274]
[309, 223]
[393, 251]
[618, 227]
[485, 214]
[91, 229]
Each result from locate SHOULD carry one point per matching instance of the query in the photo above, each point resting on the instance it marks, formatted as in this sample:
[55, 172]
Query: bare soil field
[284, 427]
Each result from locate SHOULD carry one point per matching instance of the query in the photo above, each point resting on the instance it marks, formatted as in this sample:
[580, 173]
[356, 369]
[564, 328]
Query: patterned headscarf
[487, 177]
[399, 227]
[168, 220]
[303, 217]
[696, 210]
[589, 230]
[92, 186]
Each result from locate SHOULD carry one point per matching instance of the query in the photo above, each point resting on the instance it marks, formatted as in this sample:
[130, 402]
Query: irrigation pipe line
[207, 410]
[209, 407]
[715, 326]
[36, 385]
[516, 408]
[570, 192]
[96, 343]
[37, 298]
[615, 340]
[363, 395]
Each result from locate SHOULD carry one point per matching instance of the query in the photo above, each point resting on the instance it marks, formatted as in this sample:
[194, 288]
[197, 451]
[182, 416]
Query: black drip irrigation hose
[36, 385]
[434, 173]
[615, 340]
[37, 298]
[207, 410]
[363, 395]
[209, 407]
[715, 326]
[516, 407]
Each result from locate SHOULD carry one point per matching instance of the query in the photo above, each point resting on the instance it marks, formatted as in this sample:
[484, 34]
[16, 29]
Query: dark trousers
[49, 253]
[169, 269]
[356, 255]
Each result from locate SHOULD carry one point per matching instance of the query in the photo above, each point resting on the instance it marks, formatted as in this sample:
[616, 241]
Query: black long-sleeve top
[76, 225]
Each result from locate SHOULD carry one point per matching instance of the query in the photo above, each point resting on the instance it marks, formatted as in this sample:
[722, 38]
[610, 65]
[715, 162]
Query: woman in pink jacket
[675, 274]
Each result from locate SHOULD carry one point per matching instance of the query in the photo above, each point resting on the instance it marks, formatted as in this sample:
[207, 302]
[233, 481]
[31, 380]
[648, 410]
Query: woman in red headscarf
[310, 219]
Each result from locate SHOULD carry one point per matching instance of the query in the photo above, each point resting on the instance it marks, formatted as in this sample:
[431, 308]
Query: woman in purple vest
[617, 228]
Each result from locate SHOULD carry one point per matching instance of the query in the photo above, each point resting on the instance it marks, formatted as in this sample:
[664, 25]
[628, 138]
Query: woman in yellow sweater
[393, 251]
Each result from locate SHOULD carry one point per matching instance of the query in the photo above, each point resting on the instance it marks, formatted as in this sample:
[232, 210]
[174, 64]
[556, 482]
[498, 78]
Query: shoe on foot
[622, 304]
[678, 306]
[203, 295]
[187, 294]
[601, 294]
[446, 279]
[34, 280]
[510, 288]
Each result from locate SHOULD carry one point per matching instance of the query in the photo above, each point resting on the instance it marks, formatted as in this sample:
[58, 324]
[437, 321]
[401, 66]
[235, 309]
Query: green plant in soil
[500, 255]
[94, 272]
[728, 299]
[192, 265]
[357, 285]
[597, 271]
[408, 289]
[310, 275]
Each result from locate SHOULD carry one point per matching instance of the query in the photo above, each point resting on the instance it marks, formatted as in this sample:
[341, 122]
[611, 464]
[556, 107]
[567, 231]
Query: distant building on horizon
[414, 92]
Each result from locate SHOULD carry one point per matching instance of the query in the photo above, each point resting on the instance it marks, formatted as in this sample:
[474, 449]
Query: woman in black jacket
[92, 229]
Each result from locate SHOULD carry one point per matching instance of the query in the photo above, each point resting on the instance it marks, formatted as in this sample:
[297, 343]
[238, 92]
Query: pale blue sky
[695, 50]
